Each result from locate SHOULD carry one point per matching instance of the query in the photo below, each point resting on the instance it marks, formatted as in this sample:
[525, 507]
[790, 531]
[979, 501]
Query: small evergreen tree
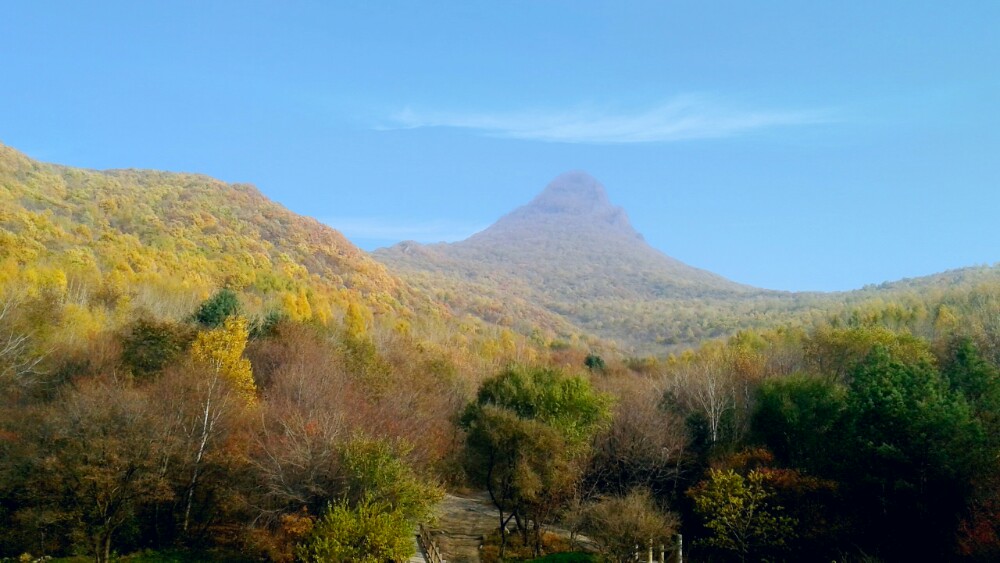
[215, 310]
[594, 362]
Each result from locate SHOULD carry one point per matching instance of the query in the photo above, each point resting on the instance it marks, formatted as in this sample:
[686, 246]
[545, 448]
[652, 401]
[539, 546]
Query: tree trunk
[206, 429]
[102, 547]
[503, 533]
[538, 539]
[522, 529]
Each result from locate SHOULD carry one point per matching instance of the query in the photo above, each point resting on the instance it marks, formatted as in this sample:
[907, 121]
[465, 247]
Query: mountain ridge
[566, 268]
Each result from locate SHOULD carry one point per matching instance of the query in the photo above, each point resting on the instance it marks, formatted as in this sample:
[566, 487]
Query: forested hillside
[163, 240]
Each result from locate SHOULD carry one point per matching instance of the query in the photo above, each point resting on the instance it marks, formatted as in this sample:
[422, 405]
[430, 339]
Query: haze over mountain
[572, 230]
[572, 233]
[570, 262]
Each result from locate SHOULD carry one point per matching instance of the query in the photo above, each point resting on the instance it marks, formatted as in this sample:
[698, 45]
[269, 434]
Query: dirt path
[463, 521]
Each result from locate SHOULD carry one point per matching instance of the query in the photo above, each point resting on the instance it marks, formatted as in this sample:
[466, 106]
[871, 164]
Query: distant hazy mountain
[570, 263]
[572, 243]
[570, 253]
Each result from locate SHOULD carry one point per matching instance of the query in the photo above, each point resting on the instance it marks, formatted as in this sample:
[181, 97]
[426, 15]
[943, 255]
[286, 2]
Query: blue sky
[788, 145]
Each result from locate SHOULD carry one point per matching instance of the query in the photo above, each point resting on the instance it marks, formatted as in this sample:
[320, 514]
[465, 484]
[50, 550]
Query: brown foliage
[620, 524]
[644, 444]
[92, 463]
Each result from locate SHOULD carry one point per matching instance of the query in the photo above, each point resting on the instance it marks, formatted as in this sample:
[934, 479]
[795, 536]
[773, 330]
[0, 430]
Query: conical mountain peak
[573, 192]
[571, 202]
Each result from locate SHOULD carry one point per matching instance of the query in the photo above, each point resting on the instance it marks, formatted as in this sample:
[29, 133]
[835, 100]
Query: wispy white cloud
[386, 230]
[681, 118]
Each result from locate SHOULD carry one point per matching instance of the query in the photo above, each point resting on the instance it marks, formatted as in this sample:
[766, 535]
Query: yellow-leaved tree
[223, 380]
[221, 352]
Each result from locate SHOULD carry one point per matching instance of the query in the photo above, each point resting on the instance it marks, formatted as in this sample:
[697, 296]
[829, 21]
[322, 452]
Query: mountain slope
[162, 240]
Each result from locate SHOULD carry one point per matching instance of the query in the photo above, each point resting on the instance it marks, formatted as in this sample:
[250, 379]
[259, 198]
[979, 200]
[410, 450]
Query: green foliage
[520, 462]
[906, 442]
[871, 438]
[594, 363]
[92, 252]
[800, 419]
[383, 500]
[968, 373]
[215, 310]
[911, 424]
[914, 447]
[263, 327]
[741, 514]
[837, 351]
[528, 435]
[149, 345]
[567, 404]
[370, 531]
[378, 471]
[365, 363]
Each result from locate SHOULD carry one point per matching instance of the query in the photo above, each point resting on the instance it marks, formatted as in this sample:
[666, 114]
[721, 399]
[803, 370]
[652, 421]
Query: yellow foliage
[402, 327]
[79, 324]
[507, 343]
[9, 271]
[355, 321]
[946, 320]
[321, 310]
[221, 351]
[114, 234]
[297, 306]
[82, 257]
[45, 281]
